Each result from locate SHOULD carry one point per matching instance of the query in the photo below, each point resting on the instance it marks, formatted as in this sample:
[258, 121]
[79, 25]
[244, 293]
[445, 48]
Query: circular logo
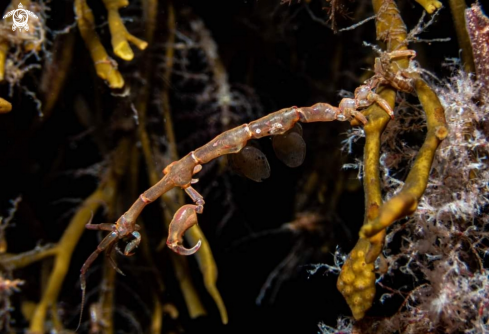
[20, 17]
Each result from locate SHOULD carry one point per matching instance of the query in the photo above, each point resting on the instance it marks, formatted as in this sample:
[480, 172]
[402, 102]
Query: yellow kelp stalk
[120, 36]
[4, 46]
[5, 106]
[105, 66]
[66, 245]
[430, 5]
[357, 279]
[205, 259]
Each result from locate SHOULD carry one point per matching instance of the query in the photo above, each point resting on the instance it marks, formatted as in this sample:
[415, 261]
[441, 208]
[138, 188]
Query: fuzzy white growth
[442, 247]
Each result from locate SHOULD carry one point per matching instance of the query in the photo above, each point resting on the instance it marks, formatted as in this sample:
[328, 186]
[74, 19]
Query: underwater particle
[478, 27]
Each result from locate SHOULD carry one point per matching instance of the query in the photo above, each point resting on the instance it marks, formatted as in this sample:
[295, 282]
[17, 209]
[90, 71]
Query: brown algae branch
[357, 278]
[165, 96]
[62, 262]
[106, 300]
[391, 30]
[208, 267]
[150, 9]
[180, 266]
[120, 36]
[205, 258]
[56, 70]
[5, 106]
[430, 6]
[18, 261]
[69, 240]
[105, 66]
[195, 307]
[4, 47]
[457, 7]
[157, 317]
[406, 201]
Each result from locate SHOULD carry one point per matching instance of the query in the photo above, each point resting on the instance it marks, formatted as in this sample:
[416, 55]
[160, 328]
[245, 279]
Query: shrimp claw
[184, 218]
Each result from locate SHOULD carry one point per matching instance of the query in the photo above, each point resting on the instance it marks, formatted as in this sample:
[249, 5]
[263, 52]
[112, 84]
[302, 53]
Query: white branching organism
[444, 244]
[22, 49]
[7, 285]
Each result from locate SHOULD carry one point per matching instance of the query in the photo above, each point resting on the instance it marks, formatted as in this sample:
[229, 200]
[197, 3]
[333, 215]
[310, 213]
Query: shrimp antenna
[83, 284]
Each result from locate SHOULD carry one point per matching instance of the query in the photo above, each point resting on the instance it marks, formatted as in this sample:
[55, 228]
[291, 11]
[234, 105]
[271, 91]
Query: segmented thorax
[393, 75]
